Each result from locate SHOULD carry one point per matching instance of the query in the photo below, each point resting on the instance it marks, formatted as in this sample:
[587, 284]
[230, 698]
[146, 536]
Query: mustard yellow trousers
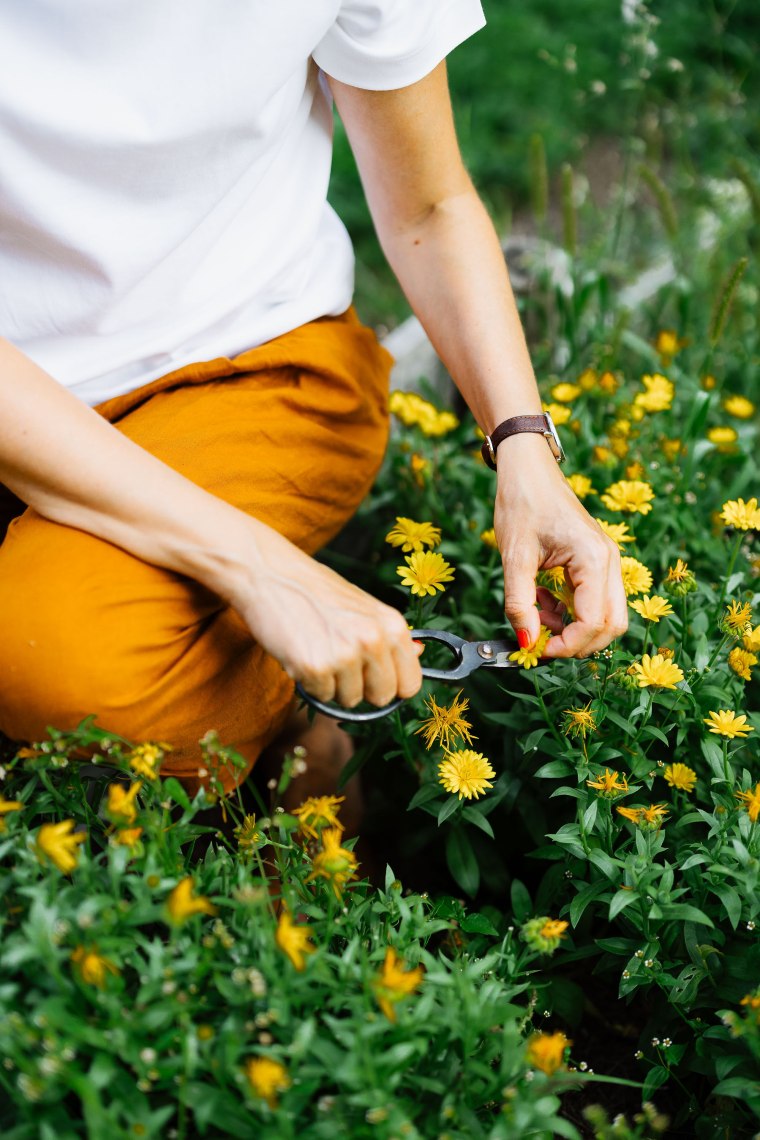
[292, 433]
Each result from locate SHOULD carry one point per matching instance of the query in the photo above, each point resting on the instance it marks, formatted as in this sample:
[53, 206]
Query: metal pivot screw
[486, 651]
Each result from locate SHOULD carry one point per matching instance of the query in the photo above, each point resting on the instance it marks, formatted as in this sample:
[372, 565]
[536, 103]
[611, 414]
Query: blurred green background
[678, 90]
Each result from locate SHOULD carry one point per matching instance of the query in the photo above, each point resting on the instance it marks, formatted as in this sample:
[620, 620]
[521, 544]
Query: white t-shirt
[164, 168]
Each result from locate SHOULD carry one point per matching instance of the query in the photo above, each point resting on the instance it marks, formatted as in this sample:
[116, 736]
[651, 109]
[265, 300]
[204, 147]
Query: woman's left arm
[442, 246]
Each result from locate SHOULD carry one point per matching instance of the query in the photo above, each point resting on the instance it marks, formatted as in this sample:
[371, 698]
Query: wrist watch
[543, 425]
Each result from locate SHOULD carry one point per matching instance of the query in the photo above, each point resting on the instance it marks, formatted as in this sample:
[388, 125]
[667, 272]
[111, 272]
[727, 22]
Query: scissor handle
[339, 713]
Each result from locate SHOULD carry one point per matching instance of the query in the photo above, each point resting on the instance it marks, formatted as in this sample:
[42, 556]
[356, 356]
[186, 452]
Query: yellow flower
[602, 454]
[565, 393]
[652, 609]
[127, 836]
[465, 773]
[558, 412]
[581, 485]
[741, 515]
[579, 721]
[419, 467]
[7, 806]
[146, 760]
[182, 904]
[546, 1051]
[656, 673]
[647, 818]
[632, 814]
[121, 806]
[92, 967]
[671, 448]
[413, 411]
[488, 538]
[657, 395]
[739, 406]
[335, 863]
[293, 939]
[637, 578]
[751, 801]
[668, 344]
[531, 656]
[267, 1078]
[411, 535]
[446, 723]
[737, 618]
[543, 934]
[679, 580]
[318, 812]
[587, 380]
[57, 842]
[629, 495]
[393, 983]
[679, 572]
[634, 470]
[708, 383]
[247, 834]
[723, 438]
[680, 776]
[609, 383]
[741, 662]
[751, 639]
[425, 572]
[610, 784]
[726, 723]
[618, 532]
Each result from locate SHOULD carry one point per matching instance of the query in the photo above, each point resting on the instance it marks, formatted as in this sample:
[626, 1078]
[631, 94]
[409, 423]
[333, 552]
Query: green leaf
[585, 896]
[731, 901]
[175, 791]
[448, 808]
[686, 912]
[620, 900]
[521, 900]
[477, 819]
[424, 795]
[654, 1079]
[606, 864]
[461, 861]
[555, 770]
[477, 924]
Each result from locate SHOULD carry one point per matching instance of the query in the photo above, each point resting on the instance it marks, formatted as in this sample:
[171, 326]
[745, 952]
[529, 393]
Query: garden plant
[565, 941]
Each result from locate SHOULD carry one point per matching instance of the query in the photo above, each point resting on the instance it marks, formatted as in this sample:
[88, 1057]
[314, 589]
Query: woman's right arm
[64, 460]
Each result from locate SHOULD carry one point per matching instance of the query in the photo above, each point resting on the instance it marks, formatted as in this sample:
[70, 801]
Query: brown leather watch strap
[512, 426]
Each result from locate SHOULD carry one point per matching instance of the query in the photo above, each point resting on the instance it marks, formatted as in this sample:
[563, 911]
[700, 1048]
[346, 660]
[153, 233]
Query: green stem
[720, 647]
[550, 723]
[738, 539]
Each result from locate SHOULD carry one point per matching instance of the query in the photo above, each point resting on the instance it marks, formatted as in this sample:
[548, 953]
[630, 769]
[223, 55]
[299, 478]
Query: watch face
[553, 439]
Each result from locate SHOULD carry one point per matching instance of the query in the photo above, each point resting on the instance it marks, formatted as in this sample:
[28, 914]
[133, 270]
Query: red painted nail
[523, 638]
[418, 645]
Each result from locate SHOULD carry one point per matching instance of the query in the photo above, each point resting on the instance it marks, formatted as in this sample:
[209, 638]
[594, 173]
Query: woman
[188, 406]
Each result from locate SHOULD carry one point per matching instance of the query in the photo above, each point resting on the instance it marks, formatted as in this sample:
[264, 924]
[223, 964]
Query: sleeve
[380, 45]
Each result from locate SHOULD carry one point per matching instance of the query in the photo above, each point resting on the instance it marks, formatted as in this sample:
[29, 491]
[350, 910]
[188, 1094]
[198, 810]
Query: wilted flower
[465, 773]
[411, 535]
[446, 723]
[737, 619]
[425, 572]
[680, 776]
[679, 580]
[394, 983]
[579, 721]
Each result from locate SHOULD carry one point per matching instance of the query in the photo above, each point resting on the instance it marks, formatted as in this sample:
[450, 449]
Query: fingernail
[418, 645]
[523, 638]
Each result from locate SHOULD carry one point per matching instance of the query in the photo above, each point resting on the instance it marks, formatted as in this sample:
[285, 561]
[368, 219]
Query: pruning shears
[467, 657]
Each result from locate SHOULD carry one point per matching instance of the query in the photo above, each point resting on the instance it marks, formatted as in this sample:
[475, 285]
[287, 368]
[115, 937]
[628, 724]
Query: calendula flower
[602, 454]
[446, 723]
[668, 344]
[741, 662]
[543, 934]
[248, 835]
[318, 812]
[565, 393]
[649, 818]
[581, 485]
[679, 572]
[579, 721]
[609, 383]
[618, 532]
[723, 437]
[425, 572]
[679, 580]
[531, 656]
[637, 578]
[672, 449]
[558, 412]
[680, 776]
[751, 639]
[294, 940]
[751, 801]
[656, 673]
[631, 495]
[610, 784]
[708, 383]
[92, 968]
[419, 467]
[267, 1078]
[335, 863]
[632, 814]
[726, 723]
[8, 806]
[58, 843]
[411, 535]
[587, 380]
[120, 805]
[739, 406]
[183, 904]
[146, 759]
[635, 470]
[488, 538]
[465, 773]
[657, 395]
[652, 609]
[737, 619]
[546, 1051]
[741, 515]
[393, 983]
[127, 837]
